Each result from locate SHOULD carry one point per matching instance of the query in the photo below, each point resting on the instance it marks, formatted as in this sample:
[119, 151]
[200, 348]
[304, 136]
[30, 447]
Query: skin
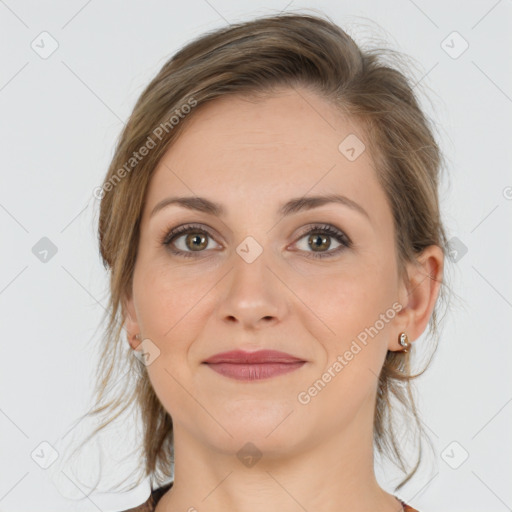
[251, 156]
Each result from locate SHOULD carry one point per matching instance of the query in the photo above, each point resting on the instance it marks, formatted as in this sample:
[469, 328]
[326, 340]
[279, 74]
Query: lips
[251, 366]
[259, 357]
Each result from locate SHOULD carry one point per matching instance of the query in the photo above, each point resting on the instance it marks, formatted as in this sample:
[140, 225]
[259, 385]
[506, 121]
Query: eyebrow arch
[292, 206]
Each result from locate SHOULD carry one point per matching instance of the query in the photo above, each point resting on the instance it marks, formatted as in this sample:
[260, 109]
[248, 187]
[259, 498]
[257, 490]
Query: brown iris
[317, 241]
[199, 241]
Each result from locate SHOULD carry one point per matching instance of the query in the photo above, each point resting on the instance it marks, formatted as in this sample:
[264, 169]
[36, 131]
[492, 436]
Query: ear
[419, 294]
[131, 324]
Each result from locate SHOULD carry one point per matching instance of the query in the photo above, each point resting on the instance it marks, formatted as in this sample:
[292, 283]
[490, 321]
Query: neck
[334, 473]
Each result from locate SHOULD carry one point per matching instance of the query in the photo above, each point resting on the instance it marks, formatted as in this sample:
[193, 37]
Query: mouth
[254, 371]
[251, 366]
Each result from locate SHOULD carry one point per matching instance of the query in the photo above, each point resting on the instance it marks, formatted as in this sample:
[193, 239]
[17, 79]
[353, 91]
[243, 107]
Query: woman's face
[248, 279]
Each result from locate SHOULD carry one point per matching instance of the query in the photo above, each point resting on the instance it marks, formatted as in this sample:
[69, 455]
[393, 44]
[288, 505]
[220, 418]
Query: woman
[271, 223]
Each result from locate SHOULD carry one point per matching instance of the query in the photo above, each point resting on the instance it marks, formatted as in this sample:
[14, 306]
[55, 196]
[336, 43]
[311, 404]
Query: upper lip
[260, 356]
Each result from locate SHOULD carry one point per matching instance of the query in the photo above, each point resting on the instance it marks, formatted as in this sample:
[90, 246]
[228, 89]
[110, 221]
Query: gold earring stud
[404, 341]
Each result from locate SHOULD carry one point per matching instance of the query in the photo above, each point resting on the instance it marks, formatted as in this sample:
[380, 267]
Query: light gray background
[60, 117]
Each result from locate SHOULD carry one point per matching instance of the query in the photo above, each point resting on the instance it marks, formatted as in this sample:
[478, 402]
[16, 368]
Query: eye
[318, 237]
[194, 240]
[188, 239]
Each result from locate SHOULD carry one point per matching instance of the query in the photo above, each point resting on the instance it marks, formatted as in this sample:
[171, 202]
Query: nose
[253, 295]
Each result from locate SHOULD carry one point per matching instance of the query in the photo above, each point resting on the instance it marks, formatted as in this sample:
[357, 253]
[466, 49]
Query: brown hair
[256, 58]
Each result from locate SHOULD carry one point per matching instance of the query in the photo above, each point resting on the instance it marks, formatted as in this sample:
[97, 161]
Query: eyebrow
[292, 206]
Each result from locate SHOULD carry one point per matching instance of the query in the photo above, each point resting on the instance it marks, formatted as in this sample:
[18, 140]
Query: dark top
[150, 504]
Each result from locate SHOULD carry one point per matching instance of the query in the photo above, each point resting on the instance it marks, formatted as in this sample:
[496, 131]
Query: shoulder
[150, 504]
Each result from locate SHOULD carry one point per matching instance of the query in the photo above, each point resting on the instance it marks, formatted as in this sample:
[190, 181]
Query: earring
[404, 341]
[137, 336]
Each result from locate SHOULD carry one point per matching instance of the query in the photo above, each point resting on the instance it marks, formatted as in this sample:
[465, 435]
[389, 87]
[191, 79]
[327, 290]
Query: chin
[264, 425]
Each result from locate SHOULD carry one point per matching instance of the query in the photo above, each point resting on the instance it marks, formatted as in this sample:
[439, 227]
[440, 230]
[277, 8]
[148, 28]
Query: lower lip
[255, 371]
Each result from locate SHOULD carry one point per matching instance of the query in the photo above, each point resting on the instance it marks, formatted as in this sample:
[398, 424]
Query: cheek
[172, 309]
[351, 297]
[167, 300]
[355, 305]
[166, 306]
[350, 304]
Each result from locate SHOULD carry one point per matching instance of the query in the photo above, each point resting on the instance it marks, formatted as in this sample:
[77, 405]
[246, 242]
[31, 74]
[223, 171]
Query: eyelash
[324, 229]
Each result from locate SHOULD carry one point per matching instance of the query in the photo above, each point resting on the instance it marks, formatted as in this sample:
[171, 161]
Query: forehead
[239, 150]
[291, 121]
